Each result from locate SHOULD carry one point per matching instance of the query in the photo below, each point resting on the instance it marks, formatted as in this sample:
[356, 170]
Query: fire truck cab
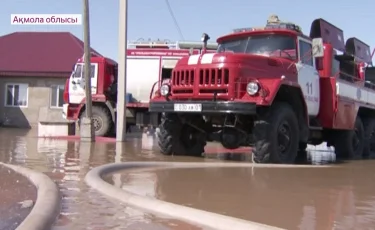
[148, 62]
[275, 89]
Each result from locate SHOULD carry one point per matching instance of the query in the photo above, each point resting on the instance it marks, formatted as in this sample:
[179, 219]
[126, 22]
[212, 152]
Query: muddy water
[328, 198]
[339, 198]
[68, 162]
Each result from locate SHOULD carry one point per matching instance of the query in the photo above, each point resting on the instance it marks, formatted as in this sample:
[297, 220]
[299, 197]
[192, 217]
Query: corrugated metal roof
[39, 54]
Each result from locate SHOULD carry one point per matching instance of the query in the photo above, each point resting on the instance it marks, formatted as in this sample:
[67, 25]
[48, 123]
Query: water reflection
[320, 154]
[326, 198]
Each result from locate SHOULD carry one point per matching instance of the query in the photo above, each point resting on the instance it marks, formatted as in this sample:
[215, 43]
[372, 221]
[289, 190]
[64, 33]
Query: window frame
[96, 70]
[58, 96]
[6, 95]
[299, 40]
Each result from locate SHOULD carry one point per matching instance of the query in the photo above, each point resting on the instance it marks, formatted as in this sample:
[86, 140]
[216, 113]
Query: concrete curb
[202, 218]
[47, 206]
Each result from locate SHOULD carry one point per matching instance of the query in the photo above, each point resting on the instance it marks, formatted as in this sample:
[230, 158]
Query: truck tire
[369, 147]
[350, 143]
[102, 120]
[276, 135]
[175, 138]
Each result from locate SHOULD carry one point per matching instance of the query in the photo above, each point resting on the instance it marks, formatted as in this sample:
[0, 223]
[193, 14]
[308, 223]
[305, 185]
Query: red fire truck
[274, 88]
[147, 63]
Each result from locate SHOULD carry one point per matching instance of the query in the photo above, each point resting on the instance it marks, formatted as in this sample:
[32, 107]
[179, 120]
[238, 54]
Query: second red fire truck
[147, 63]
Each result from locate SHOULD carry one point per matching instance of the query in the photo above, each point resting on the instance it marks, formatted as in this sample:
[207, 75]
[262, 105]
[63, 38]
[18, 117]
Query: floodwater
[305, 198]
[67, 163]
[341, 197]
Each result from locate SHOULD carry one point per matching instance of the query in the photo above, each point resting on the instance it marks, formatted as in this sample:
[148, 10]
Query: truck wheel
[276, 136]
[369, 146]
[350, 143]
[102, 120]
[179, 139]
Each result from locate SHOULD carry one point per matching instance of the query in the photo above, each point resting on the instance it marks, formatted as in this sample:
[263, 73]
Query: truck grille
[200, 82]
[213, 77]
[183, 78]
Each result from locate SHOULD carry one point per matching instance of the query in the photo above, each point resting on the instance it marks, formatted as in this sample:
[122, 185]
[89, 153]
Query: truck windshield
[267, 45]
[80, 71]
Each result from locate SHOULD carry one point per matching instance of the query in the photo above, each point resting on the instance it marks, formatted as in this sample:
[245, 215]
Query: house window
[57, 96]
[16, 95]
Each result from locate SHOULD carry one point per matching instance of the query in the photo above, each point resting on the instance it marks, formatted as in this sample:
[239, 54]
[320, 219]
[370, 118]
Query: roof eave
[34, 74]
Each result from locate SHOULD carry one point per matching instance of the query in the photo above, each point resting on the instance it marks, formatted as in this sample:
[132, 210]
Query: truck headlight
[164, 90]
[252, 88]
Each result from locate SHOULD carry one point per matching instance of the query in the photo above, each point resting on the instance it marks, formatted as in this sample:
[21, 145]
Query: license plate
[188, 107]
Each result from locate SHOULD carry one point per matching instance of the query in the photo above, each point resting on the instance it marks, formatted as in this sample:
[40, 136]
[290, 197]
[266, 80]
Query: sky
[151, 18]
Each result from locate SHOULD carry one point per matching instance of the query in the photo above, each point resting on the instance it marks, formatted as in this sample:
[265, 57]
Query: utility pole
[87, 128]
[121, 76]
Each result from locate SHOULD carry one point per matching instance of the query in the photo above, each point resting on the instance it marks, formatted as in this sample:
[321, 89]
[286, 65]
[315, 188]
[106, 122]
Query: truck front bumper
[207, 107]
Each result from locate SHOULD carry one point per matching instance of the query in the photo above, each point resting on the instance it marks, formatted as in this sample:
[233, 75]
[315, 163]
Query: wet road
[339, 198]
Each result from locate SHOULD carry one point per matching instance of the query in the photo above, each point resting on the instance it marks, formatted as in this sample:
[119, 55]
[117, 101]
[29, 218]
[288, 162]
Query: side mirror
[317, 48]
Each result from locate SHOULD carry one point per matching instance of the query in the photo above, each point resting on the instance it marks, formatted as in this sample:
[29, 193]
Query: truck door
[77, 83]
[308, 76]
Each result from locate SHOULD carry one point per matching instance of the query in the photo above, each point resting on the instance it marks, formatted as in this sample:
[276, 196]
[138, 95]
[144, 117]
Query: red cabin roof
[39, 54]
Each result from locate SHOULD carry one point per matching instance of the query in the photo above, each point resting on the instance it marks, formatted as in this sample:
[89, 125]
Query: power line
[174, 19]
